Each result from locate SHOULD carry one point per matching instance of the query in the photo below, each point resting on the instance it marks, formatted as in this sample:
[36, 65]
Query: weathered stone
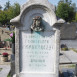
[37, 52]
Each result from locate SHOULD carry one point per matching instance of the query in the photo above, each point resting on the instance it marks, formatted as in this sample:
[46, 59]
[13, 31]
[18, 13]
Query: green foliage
[9, 75]
[76, 17]
[74, 6]
[7, 5]
[64, 49]
[0, 7]
[9, 13]
[13, 11]
[13, 37]
[16, 9]
[10, 40]
[0, 69]
[69, 2]
[75, 50]
[3, 17]
[65, 11]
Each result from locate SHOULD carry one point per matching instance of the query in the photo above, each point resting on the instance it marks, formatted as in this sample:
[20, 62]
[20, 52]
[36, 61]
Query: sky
[21, 2]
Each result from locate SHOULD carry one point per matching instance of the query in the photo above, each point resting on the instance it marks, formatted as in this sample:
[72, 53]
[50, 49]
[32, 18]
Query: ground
[5, 66]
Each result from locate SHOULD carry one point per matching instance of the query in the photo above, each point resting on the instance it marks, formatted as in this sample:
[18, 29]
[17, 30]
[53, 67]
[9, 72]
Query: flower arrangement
[12, 39]
[12, 35]
[5, 54]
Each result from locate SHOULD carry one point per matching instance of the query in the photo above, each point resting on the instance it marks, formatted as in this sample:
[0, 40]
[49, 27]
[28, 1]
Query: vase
[4, 59]
[13, 48]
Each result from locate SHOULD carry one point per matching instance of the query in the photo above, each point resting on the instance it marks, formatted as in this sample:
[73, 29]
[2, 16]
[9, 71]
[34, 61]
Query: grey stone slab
[64, 59]
[70, 43]
[5, 70]
[68, 57]
[71, 55]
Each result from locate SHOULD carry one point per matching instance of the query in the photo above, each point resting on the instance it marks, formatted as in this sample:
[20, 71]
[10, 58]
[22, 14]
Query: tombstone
[37, 40]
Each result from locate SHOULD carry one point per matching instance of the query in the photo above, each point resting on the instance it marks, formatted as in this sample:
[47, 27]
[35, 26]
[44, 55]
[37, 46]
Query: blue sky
[21, 2]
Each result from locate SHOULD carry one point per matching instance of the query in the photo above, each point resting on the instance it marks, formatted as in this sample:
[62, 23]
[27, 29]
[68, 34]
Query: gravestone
[37, 40]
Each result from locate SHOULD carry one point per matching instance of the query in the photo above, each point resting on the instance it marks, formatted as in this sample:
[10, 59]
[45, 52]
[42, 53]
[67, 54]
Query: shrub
[64, 47]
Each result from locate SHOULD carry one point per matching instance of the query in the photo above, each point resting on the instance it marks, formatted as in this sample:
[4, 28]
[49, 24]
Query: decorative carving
[37, 24]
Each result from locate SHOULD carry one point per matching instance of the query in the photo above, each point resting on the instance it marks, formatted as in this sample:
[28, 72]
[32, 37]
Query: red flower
[5, 54]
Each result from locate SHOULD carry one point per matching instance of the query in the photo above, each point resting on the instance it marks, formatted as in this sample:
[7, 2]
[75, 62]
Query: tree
[74, 6]
[7, 5]
[3, 17]
[16, 9]
[65, 11]
[9, 13]
[13, 11]
[66, 1]
[0, 7]
[61, 1]
[76, 18]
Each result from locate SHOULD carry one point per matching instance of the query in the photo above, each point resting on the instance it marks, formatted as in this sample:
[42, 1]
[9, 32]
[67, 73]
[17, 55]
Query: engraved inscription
[38, 52]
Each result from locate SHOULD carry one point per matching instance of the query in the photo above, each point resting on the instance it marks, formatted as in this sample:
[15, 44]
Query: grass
[64, 49]
[72, 65]
[68, 66]
[75, 50]
[0, 69]
[8, 75]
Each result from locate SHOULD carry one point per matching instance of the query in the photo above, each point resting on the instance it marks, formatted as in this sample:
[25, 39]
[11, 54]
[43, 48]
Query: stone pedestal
[12, 65]
[14, 75]
[13, 48]
[4, 59]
